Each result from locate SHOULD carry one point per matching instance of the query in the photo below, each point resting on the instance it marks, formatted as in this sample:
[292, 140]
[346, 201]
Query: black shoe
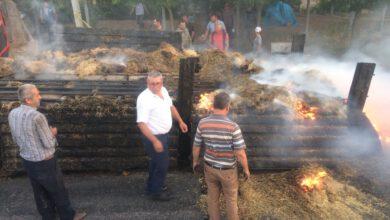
[164, 188]
[161, 197]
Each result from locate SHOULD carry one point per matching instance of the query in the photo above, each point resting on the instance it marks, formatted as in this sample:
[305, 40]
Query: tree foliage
[348, 5]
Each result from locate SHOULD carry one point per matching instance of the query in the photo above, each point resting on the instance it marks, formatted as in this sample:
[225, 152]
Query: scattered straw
[280, 196]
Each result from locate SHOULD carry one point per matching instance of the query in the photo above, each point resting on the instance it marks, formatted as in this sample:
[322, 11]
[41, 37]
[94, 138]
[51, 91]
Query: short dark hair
[221, 100]
[214, 14]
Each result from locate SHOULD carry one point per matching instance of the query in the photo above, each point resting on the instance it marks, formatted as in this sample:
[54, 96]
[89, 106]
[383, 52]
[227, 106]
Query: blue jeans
[49, 191]
[158, 164]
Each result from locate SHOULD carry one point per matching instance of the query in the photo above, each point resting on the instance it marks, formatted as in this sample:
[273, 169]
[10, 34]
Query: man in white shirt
[154, 117]
[139, 13]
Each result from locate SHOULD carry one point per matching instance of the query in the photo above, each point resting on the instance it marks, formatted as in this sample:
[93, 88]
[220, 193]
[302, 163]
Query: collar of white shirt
[27, 106]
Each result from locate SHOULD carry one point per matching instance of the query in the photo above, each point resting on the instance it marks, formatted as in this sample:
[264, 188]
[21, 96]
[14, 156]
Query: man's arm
[195, 155]
[239, 150]
[196, 147]
[227, 42]
[176, 116]
[45, 133]
[242, 159]
[148, 134]
[192, 33]
[207, 32]
[11, 124]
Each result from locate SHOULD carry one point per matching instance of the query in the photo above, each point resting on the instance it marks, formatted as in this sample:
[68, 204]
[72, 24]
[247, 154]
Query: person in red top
[219, 39]
[4, 42]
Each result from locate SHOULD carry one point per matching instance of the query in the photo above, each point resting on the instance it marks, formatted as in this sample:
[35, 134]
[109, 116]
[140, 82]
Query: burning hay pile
[233, 71]
[98, 61]
[216, 65]
[307, 193]
[235, 74]
[247, 95]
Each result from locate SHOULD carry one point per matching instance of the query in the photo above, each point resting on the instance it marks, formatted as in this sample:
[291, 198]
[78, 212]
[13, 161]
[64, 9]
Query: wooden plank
[188, 68]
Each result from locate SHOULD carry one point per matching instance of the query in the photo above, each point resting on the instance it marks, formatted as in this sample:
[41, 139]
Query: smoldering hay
[333, 78]
[280, 196]
[99, 61]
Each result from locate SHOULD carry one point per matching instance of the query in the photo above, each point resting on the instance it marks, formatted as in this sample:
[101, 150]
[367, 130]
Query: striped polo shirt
[220, 136]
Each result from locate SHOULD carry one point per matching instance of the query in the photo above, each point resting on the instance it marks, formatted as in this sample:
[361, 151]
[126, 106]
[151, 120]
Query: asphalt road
[105, 196]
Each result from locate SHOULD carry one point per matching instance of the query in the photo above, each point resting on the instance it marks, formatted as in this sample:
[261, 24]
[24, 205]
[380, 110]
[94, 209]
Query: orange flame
[313, 182]
[205, 102]
[304, 111]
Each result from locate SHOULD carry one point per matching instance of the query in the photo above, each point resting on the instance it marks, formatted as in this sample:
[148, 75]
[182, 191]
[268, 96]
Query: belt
[218, 168]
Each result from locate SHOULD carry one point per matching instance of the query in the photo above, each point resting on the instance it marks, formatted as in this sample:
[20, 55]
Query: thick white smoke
[333, 77]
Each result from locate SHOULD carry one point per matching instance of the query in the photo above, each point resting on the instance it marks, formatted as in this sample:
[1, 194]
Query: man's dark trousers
[49, 190]
[158, 164]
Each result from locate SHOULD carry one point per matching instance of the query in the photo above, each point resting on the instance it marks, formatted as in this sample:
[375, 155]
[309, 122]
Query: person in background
[139, 14]
[157, 25]
[37, 145]
[258, 41]
[186, 41]
[48, 19]
[155, 111]
[219, 39]
[224, 146]
[214, 21]
[189, 25]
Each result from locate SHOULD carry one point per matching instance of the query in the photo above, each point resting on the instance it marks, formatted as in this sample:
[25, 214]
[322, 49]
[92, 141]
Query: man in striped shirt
[224, 145]
[37, 142]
